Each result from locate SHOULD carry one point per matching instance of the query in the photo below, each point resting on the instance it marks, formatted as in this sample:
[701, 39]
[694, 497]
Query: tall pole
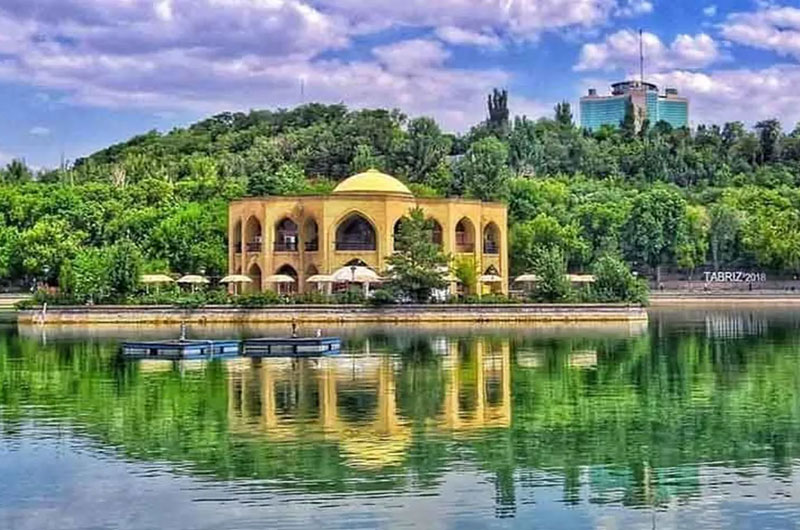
[641, 58]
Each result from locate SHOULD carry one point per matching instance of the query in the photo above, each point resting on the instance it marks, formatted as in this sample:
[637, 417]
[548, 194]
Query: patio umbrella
[194, 280]
[236, 279]
[321, 278]
[279, 278]
[527, 278]
[491, 278]
[357, 274]
[581, 278]
[155, 278]
[149, 279]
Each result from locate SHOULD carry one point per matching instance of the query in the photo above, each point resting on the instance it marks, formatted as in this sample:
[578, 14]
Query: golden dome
[370, 182]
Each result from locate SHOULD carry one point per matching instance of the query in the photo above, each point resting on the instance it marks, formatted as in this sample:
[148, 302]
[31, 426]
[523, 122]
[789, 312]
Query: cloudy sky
[77, 75]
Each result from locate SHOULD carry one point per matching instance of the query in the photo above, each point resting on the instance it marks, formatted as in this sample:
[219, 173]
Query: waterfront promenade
[335, 314]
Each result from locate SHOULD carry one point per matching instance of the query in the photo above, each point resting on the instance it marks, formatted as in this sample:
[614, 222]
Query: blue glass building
[648, 104]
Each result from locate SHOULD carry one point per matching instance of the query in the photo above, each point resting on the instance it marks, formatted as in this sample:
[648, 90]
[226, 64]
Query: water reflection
[693, 409]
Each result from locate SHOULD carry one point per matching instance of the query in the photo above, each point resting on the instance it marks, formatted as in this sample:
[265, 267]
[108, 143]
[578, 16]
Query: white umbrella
[321, 278]
[581, 278]
[356, 274]
[236, 278]
[491, 278]
[527, 278]
[194, 280]
[279, 278]
[155, 278]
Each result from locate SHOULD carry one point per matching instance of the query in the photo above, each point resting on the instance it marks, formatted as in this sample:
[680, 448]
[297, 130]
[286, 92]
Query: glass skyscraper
[648, 104]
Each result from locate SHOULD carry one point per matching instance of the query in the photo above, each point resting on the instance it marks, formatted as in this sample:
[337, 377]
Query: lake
[689, 421]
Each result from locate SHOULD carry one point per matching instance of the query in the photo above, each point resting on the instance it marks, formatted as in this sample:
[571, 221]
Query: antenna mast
[641, 58]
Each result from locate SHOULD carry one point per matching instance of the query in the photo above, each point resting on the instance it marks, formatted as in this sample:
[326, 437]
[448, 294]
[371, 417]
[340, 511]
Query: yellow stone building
[301, 237]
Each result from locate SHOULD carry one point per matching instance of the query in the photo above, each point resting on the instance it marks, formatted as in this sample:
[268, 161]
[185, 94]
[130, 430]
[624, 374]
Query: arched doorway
[465, 236]
[287, 288]
[254, 237]
[237, 237]
[311, 235]
[286, 236]
[491, 239]
[255, 274]
[356, 233]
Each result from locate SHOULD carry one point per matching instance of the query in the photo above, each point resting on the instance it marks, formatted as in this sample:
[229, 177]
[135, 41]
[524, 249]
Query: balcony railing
[286, 246]
[490, 247]
[355, 245]
[465, 247]
[253, 247]
[312, 246]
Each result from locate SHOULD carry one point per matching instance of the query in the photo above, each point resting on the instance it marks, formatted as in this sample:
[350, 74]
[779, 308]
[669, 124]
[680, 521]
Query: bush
[553, 285]
[382, 297]
[616, 283]
[266, 298]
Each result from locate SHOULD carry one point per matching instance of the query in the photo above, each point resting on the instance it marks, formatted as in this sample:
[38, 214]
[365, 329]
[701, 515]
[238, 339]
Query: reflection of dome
[372, 181]
[369, 450]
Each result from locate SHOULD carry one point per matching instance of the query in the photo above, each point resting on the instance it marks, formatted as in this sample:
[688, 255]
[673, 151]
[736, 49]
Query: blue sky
[77, 75]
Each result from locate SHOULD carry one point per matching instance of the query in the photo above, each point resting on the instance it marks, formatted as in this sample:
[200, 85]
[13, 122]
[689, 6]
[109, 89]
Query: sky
[78, 75]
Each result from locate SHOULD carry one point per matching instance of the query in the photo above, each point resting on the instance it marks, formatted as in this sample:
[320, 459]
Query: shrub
[616, 283]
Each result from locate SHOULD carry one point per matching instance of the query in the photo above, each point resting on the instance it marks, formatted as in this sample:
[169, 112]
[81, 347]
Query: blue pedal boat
[292, 347]
[179, 349]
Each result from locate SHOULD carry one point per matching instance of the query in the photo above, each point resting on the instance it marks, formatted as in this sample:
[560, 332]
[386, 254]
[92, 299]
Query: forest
[718, 196]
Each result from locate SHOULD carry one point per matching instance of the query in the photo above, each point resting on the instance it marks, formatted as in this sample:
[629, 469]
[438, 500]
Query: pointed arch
[286, 235]
[437, 234]
[236, 240]
[287, 288]
[396, 232]
[356, 232]
[254, 272]
[311, 235]
[465, 236]
[253, 234]
[491, 239]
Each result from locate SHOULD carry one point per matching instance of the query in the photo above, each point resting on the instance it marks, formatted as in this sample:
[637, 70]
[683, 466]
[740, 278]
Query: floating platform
[182, 349]
[292, 347]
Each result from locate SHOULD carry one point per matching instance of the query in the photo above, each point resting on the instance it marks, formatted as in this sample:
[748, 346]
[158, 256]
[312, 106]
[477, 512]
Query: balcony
[254, 247]
[285, 246]
[490, 247]
[350, 245]
[312, 246]
[464, 243]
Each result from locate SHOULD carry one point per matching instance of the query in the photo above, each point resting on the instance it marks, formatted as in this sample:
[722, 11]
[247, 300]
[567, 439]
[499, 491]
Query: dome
[372, 181]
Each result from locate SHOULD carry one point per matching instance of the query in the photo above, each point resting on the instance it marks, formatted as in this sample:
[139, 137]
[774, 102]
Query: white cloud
[459, 36]
[620, 51]
[634, 8]
[39, 131]
[710, 11]
[770, 28]
[739, 94]
[411, 56]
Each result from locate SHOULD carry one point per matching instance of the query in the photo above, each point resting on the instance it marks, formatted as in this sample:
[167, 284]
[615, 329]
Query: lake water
[690, 421]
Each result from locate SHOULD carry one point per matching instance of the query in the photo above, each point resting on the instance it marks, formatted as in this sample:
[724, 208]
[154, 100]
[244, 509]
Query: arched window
[491, 239]
[396, 233]
[287, 288]
[311, 270]
[237, 237]
[286, 235]
[255, 274]
[465, 236]
[311, 236]
[253, 236]
[356, 233]
[436, 235]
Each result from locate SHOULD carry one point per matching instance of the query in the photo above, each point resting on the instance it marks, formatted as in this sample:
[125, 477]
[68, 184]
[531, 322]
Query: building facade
[648, 104]
[302, 237]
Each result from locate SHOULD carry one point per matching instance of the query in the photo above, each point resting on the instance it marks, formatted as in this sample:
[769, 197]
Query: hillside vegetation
[719, 196]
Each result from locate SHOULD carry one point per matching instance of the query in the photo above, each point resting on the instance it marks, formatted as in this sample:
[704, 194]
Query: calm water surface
[692, 421]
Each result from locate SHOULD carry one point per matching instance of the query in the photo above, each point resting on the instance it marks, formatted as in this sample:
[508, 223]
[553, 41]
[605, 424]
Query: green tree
[655, 227]
[497, 103]
[693, 249]
[47, 245]
[550, 265]
[725, 221]
[125, 262]
[418, 266]
[484, 170]
[614, 282]
[16, 172]
[563, 114]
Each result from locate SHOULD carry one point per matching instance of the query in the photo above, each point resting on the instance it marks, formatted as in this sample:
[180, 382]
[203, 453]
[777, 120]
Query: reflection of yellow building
[287, 400]
[306, 236]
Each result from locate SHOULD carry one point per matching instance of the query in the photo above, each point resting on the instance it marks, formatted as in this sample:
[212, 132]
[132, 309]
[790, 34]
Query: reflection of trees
[630, 418]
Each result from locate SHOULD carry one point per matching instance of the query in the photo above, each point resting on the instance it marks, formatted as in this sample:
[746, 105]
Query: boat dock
[181, 349]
